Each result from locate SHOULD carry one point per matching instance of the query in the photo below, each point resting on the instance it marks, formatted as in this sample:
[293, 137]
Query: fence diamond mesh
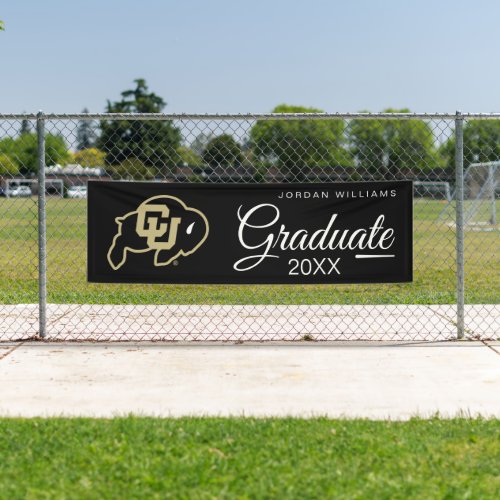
[247, 149]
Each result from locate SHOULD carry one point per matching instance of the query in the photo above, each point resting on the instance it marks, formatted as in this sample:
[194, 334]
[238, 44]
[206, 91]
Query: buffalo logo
[162, 224]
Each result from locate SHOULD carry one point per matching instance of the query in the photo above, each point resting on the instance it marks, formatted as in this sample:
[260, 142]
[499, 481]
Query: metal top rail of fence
[259, 116]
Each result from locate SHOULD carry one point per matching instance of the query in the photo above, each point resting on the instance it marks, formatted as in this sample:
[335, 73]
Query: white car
[77, 192]
[19, 191]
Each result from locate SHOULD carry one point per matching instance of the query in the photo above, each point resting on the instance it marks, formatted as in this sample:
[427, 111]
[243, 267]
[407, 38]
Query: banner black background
[213, 261]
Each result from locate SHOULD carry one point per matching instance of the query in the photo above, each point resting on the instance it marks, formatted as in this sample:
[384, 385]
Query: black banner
[359, 232]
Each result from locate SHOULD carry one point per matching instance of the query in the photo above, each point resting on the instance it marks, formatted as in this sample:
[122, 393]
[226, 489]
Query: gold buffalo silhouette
[163, 224]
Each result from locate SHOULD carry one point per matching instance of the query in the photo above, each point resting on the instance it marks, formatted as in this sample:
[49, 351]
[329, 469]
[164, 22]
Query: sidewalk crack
[468, 331]
[495, 350]
[10, 351]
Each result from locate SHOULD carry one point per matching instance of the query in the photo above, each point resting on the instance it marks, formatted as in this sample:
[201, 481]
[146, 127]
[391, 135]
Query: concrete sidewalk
[338, 380]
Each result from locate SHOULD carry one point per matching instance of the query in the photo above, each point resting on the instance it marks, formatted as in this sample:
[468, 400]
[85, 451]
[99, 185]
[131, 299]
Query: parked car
[77, 192]
[19, 191]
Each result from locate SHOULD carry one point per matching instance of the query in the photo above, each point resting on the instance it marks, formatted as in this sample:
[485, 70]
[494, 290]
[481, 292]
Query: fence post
[42, 228]
[459, 200]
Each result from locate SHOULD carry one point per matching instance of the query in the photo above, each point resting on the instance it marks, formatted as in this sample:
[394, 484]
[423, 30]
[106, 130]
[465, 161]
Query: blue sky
[248, 56]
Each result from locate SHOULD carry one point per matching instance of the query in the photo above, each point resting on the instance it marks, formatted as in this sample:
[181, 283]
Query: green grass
[249, 458]
[434, 267]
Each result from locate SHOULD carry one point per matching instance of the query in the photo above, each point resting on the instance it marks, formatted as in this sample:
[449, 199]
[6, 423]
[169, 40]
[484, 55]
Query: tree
[292, 145]
[189, 157]
[481, 143]
[91, 157]
[131, 169]
[2, 26]
[7, 165]
[153, 143]
[223, 151]
[393, 146]
[23, 150]
[369, 143]
[200, 142]
[25, 127]
[86, 134]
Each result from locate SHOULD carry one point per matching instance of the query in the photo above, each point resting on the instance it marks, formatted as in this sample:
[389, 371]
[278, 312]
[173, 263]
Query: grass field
[249, 458]
[434, 267]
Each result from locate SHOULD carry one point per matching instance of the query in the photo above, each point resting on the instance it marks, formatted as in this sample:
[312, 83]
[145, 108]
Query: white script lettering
[373, 237]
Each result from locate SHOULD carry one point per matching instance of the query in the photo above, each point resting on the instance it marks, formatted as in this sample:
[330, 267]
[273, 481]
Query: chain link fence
[47, 160]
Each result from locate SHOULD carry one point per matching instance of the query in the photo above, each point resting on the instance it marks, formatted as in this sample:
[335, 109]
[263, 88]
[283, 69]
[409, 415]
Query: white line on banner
[373, 256]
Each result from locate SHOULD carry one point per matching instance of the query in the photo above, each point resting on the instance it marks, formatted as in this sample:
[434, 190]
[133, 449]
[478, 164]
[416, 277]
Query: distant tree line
[155, 148]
